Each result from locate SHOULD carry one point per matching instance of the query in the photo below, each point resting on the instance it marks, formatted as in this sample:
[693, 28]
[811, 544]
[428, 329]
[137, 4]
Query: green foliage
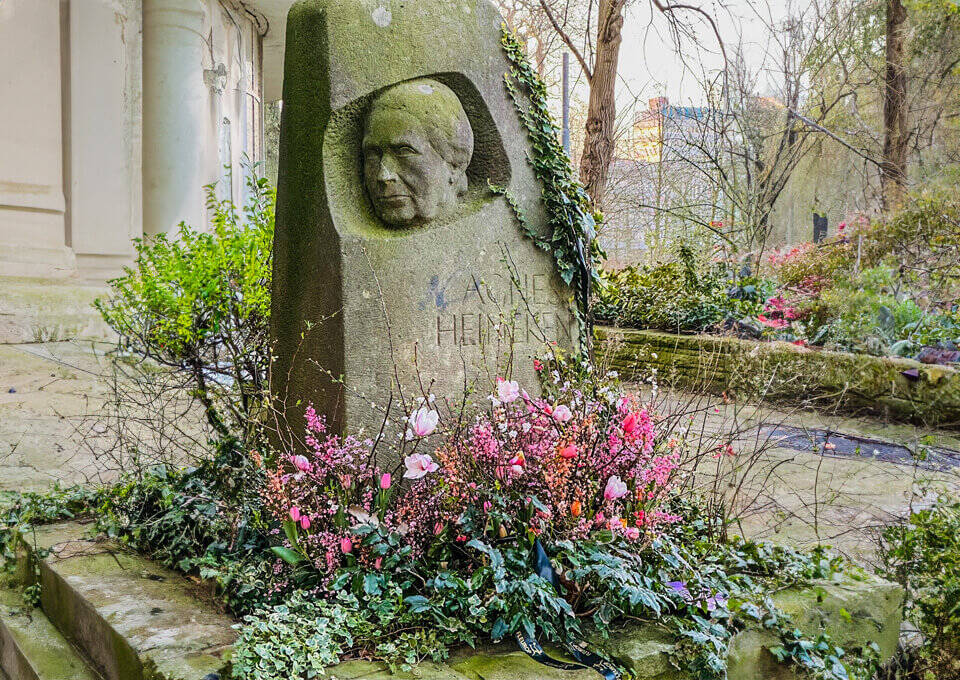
[201, 521]
[572, 222]
[199, 304]
[923, 555]
[296, 639]
[680, 296]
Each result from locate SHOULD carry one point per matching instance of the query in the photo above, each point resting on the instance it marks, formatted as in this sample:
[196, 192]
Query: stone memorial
[397, 271]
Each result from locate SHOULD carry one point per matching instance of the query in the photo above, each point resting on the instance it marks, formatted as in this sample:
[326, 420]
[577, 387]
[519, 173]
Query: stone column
[32, 228]
[174, 115]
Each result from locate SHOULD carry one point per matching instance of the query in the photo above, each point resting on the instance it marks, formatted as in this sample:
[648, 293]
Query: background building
[115, 113]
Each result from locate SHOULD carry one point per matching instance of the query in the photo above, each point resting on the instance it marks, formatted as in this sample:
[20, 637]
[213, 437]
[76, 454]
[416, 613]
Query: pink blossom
[507, 390]
[346, 545]
[616, 488]
[385, 481]
[562, 414]
[423, 422]
[419, 465]
[301, 463]
[295, 514]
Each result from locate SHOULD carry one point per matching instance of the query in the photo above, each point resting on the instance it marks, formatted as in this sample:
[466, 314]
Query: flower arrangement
[525, 468]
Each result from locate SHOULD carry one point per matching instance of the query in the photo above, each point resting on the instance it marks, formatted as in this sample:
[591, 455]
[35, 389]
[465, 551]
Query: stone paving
[53, 397]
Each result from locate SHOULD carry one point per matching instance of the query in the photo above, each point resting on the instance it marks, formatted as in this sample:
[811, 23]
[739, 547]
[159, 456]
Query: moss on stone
[784, 372]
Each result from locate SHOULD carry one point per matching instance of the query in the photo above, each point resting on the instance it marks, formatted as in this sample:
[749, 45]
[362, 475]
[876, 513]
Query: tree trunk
[598, 146]
[893, 172]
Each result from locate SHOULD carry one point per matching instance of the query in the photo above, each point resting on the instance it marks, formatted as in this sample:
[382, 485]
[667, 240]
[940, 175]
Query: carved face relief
[417, 144]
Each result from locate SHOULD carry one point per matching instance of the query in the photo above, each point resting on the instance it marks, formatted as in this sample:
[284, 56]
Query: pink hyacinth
[616, 488]
[507, 390]
[562, 414]
[422, 422]
[419, 465]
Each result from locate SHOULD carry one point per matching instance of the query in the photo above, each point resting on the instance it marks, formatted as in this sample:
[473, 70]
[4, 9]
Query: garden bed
[900, 389]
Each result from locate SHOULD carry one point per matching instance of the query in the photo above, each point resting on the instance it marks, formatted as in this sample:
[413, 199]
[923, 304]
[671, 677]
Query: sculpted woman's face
[417, 144]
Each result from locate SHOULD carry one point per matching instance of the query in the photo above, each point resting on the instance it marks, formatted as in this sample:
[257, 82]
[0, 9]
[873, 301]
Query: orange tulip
[576, 508]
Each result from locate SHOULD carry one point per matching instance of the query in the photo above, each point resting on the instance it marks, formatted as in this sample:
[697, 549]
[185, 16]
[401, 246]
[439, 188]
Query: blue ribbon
[586, 657]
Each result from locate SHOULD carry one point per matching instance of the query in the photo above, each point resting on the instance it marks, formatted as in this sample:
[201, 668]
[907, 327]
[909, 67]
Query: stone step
[45, 310]
[31, 648]
[133, 619]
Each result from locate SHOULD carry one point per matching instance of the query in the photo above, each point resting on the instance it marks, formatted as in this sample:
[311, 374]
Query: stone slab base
[48, 310]
[31, 648]
[133, 619]
[136, 621]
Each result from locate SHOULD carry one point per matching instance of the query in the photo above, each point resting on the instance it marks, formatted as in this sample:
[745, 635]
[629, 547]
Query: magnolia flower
[616, 488]
[562, 414]
[507, 390]
[419, 465]
[385, 481]
[346, 546]
[301, 463]
[569, 451]
[423, 422]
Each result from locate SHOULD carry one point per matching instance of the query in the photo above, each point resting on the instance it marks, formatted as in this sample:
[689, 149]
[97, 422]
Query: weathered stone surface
[132, 618]
[31, 648]
[44, 310]
[785, 372]
[440, 282]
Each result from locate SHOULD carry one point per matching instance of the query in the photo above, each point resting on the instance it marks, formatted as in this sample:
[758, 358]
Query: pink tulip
[385, 481]
[305, 522]
[301, 463]
[507, 390]
[378, 563]
[346, 546]
[616, 488]
[419, 465]
[295, 514]
[569, 451]
[630, 422]
[422, 422]
[632, 533]
[562, 414]
[487, 505]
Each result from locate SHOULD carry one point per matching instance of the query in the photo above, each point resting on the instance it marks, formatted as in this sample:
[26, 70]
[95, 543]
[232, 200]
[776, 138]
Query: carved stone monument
[396, 269]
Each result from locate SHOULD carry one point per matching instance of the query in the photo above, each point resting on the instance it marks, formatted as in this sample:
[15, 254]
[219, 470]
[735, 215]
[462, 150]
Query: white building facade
[113, 116]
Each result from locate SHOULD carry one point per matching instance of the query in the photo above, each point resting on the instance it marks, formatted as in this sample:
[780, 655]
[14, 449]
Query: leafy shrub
[680, 296]
[923, 555]
[198, 304]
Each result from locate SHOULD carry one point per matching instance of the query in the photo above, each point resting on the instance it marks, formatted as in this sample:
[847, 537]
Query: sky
[650, 65]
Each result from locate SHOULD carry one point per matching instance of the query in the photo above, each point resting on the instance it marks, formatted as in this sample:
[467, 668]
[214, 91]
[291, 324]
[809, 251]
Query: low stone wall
[785, 372]
[855, 610]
